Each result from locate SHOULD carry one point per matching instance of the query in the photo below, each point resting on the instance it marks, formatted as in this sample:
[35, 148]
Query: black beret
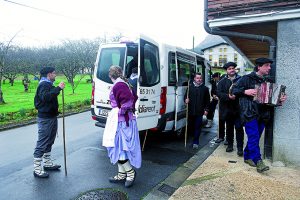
[262, 61]
[217, 74]
[229, 64]
[45, 70]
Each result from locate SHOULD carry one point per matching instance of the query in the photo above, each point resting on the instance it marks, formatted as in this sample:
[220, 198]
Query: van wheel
[180, 132]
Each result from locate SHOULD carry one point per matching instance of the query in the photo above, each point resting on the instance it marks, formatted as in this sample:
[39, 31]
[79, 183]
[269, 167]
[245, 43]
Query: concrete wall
[286, 146]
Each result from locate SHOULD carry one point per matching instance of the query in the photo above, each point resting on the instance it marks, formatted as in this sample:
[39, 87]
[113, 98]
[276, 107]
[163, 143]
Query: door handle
[143, 99]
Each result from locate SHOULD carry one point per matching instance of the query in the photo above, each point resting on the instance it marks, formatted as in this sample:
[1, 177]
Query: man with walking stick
[198, 101]
[45, 101]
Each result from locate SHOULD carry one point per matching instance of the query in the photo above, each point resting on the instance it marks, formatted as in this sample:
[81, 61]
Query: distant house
[218, 52]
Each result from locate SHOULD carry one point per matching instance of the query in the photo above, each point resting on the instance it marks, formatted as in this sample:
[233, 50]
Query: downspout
[268, 146]
[261, 38]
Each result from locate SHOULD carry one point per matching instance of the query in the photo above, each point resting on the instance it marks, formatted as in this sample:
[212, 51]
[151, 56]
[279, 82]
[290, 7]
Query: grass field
[16, 98]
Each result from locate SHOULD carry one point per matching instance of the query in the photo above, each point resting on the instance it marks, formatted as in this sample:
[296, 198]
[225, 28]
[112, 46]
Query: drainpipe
[268, 146]
[261, 38]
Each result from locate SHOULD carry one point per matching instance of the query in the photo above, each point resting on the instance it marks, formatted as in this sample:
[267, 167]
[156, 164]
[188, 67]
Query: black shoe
[219, 140]
[41, 175]
[226, 142]
[52, 167]
[240, 152]
[229, 149]
[130, 183]
[116, 179]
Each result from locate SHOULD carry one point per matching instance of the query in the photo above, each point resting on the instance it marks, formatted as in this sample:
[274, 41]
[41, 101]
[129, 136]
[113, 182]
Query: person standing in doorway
[254, 115]
[214, 101]
[126, 150]
[229, 108]
[45, 101]
[198, 100]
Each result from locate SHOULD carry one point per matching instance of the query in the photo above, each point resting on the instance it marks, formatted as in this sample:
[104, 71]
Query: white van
[144, 54]
[163, 72]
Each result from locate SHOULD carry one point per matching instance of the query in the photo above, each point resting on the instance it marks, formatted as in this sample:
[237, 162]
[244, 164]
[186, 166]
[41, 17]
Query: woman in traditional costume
[126, 150]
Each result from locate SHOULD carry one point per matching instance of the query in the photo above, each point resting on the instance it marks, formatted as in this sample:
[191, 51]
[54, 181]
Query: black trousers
[231, 124]
[212, 107]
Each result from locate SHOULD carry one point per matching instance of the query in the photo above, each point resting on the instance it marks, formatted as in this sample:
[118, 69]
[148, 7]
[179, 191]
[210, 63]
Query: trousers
[47, 129]
[254, 130]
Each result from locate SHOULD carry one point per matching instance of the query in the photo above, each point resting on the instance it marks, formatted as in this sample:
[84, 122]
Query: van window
[172, 69]
[201, 68]
[109, 57]
[186, 65]
[149, 70]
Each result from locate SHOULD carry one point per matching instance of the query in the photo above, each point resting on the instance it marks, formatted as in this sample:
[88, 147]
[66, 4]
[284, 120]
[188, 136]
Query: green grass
[19, 104]
[16, 98]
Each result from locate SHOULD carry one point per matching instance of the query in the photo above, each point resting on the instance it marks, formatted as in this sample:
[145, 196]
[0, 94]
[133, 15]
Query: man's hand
[232, 97]
[187, 100]
[215, 97]
[250, 92]
[205, 113]
[61, 85]
[283, 98]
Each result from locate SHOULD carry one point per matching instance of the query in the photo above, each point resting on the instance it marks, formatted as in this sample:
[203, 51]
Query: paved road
[87, 161]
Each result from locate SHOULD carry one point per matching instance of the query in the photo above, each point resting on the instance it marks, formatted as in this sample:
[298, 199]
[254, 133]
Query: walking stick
[187, 115]
[145, 140]
[64, 135]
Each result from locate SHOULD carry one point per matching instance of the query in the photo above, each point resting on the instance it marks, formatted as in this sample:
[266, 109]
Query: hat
[229, 64]
[217, 74]
[262, 61]
[45, 70]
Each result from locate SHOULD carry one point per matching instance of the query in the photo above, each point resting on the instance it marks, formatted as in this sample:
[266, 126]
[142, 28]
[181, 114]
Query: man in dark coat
[214, 101]
[229, 108]
[198, 100]
[254, 115]
[45, 101]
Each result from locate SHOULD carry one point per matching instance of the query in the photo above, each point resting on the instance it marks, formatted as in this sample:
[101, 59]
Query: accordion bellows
[269, 93]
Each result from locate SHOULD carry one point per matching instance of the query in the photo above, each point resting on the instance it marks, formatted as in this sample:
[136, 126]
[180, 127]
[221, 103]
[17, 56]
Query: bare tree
[4, 47]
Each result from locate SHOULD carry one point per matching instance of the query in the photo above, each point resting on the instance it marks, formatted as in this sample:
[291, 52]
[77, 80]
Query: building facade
[267, 28]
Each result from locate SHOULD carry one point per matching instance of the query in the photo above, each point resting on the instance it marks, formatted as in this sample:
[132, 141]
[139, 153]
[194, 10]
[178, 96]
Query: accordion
[269, 93]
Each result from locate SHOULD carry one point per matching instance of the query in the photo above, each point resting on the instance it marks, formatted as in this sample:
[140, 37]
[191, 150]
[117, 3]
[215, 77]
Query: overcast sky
[48, 21]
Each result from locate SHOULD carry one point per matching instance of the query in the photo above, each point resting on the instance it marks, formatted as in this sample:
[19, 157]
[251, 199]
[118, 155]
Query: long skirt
[127, 144]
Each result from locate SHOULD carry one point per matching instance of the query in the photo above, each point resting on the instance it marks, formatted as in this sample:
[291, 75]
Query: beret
[261, 61]
[217, 74]
[229, 64]
[45, 70]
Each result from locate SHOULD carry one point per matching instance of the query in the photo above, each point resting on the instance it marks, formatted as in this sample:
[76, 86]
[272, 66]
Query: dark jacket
[228, 108]
[45, 100]
[198, 99]
[213, 90]
[250, 109]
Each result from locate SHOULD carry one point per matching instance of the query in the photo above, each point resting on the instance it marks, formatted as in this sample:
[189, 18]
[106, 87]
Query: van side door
[148, 87]
[185, 63]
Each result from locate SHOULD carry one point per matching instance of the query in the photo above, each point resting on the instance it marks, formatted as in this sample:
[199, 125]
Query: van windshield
[109, 57]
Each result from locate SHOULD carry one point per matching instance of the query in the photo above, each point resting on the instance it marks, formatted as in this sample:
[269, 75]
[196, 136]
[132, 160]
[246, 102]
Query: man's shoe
[42, 174]
[219, 140]
[48, 164]
[229, 148]
[240, 152]
[250, 162]
[261, 167]
[195, 146]
[38, 171]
